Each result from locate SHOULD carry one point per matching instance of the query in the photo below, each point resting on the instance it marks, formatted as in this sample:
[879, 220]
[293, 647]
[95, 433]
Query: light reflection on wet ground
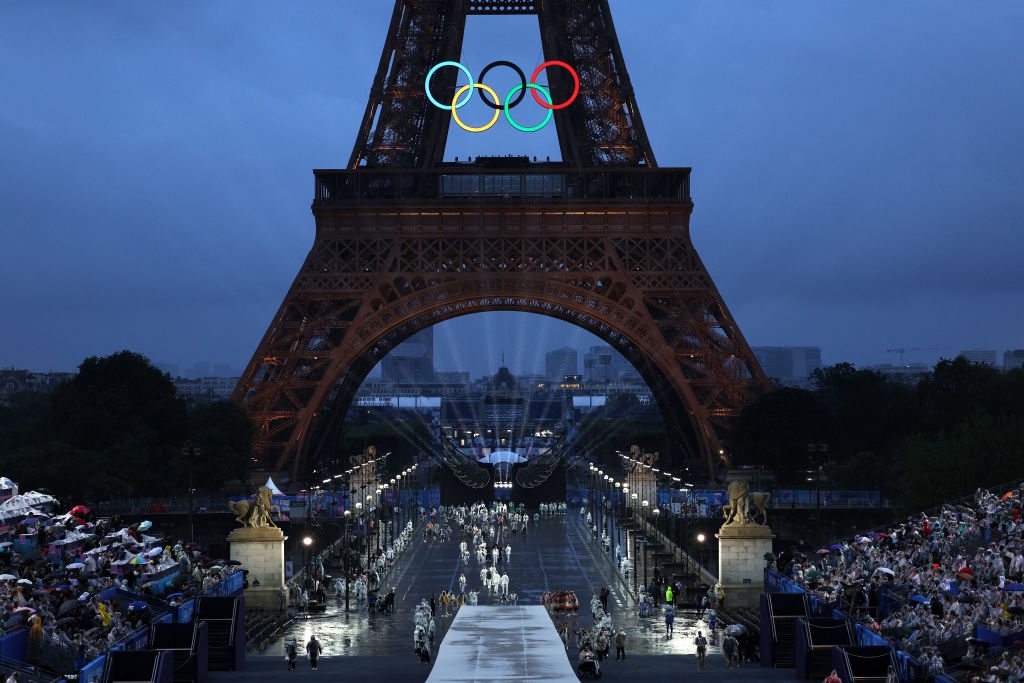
[556, 554]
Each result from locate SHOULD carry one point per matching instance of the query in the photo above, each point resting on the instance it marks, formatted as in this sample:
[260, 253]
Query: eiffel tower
[405, 240]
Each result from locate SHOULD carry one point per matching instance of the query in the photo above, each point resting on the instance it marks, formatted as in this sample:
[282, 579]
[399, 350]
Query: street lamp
[307, 542]
[345, 559]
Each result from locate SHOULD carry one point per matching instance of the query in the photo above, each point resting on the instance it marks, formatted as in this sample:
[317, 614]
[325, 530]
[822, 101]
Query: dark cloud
[856, 174]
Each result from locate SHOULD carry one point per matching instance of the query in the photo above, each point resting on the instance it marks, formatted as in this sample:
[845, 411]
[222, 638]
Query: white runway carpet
[501, 644]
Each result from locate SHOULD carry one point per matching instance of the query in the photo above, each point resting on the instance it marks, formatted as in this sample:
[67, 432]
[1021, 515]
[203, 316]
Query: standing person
[833, 677]
[433, 605]
[282, 594]
[291, 651]
[313, 649]
[891, 676]
[620, 644]
[669, 596]
[670, 618]
[731, 649]
[702, 649]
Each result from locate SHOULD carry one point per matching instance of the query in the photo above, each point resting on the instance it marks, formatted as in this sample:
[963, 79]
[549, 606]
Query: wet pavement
[557, 553]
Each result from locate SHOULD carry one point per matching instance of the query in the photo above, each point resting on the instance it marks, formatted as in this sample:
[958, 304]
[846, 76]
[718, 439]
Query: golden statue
[258, 513]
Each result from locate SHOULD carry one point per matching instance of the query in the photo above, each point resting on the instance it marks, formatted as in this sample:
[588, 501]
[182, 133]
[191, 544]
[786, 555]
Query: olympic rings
[509, 102]
[534, 129]
[575, 78]
[455, 114]
[522, 77]
[431, 73]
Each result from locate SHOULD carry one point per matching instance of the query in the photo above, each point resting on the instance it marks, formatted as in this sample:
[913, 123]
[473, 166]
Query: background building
[412, 360]
[605, 364]
[790, 365]
[561, 362]
[1013, 359]
[986, 356]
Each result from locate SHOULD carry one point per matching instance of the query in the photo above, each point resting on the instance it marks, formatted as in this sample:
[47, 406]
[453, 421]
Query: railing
[157, 506]
[567, 186]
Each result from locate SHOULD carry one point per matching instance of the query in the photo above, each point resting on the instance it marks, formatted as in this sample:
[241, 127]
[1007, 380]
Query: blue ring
[426, 85]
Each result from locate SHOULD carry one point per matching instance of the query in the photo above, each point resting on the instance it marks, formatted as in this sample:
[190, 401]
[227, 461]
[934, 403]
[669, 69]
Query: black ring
[522, 77]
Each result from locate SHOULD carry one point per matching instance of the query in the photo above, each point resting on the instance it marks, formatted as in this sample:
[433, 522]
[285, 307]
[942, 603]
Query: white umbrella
[153, 552]
[76, 565]
[885, 570]
[25, 581]
[8, 577]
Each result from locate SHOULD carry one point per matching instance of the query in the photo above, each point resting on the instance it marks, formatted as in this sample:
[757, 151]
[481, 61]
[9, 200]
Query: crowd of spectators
[59, 576]
[929, 583]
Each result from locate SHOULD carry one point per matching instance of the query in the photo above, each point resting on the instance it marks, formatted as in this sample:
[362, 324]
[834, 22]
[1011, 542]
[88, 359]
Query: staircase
[225, 623]
[782, 610]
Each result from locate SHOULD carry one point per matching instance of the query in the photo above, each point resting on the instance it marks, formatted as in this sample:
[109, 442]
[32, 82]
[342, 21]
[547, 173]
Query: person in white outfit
[504, 584]
[483, 576]
[508, 553]
[494, 555]
[462, 583]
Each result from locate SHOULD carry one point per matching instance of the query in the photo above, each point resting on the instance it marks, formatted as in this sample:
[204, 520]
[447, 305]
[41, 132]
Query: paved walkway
[557, 553]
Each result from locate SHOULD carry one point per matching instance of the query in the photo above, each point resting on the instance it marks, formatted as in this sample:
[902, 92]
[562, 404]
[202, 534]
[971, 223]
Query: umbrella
[864, 539]
[735, 630]
[1008, 494]
[138, 559]
[76, 565]
[881, 535]
[153, 552]
[137, 605]
[79, 510]
[8, 577]
[1014, 587]
[919, 598]
[145, 525]
[66, 607]
[23, 609]
[30, 520]
[835, 546]
[885, 570]
[822, 551]
[176, 595]
[233, 563]
[25, 581]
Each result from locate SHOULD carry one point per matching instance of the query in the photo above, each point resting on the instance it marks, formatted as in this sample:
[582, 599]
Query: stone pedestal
[741, 550]
[261, 551]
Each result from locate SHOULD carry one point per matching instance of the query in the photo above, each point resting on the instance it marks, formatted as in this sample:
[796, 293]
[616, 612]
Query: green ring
[508, 116]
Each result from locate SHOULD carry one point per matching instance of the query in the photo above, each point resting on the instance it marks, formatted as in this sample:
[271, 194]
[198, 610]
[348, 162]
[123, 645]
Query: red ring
[575, 77]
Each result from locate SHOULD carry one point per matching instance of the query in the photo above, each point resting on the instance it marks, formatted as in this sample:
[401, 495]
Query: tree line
[961, 427]
[118, 429]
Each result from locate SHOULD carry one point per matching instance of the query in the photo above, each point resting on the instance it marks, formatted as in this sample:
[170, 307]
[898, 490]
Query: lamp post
[644, 504]
[816, 465]
[307, 543]
[702, 551]
[191, 453]
[345, 557]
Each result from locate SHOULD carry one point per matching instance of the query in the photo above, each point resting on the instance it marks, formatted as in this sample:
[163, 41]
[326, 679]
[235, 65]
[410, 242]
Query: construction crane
[902, 351]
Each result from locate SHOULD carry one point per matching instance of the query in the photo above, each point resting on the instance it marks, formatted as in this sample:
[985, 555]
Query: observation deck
[476, 185]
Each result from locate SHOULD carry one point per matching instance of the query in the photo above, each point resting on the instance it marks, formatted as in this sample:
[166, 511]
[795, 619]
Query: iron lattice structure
[405, 240]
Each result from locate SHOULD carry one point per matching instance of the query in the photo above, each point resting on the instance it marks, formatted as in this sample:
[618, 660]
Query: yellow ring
[494, 96]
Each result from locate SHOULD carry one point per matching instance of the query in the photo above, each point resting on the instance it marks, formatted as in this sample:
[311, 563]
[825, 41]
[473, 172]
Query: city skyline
[843, 198]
